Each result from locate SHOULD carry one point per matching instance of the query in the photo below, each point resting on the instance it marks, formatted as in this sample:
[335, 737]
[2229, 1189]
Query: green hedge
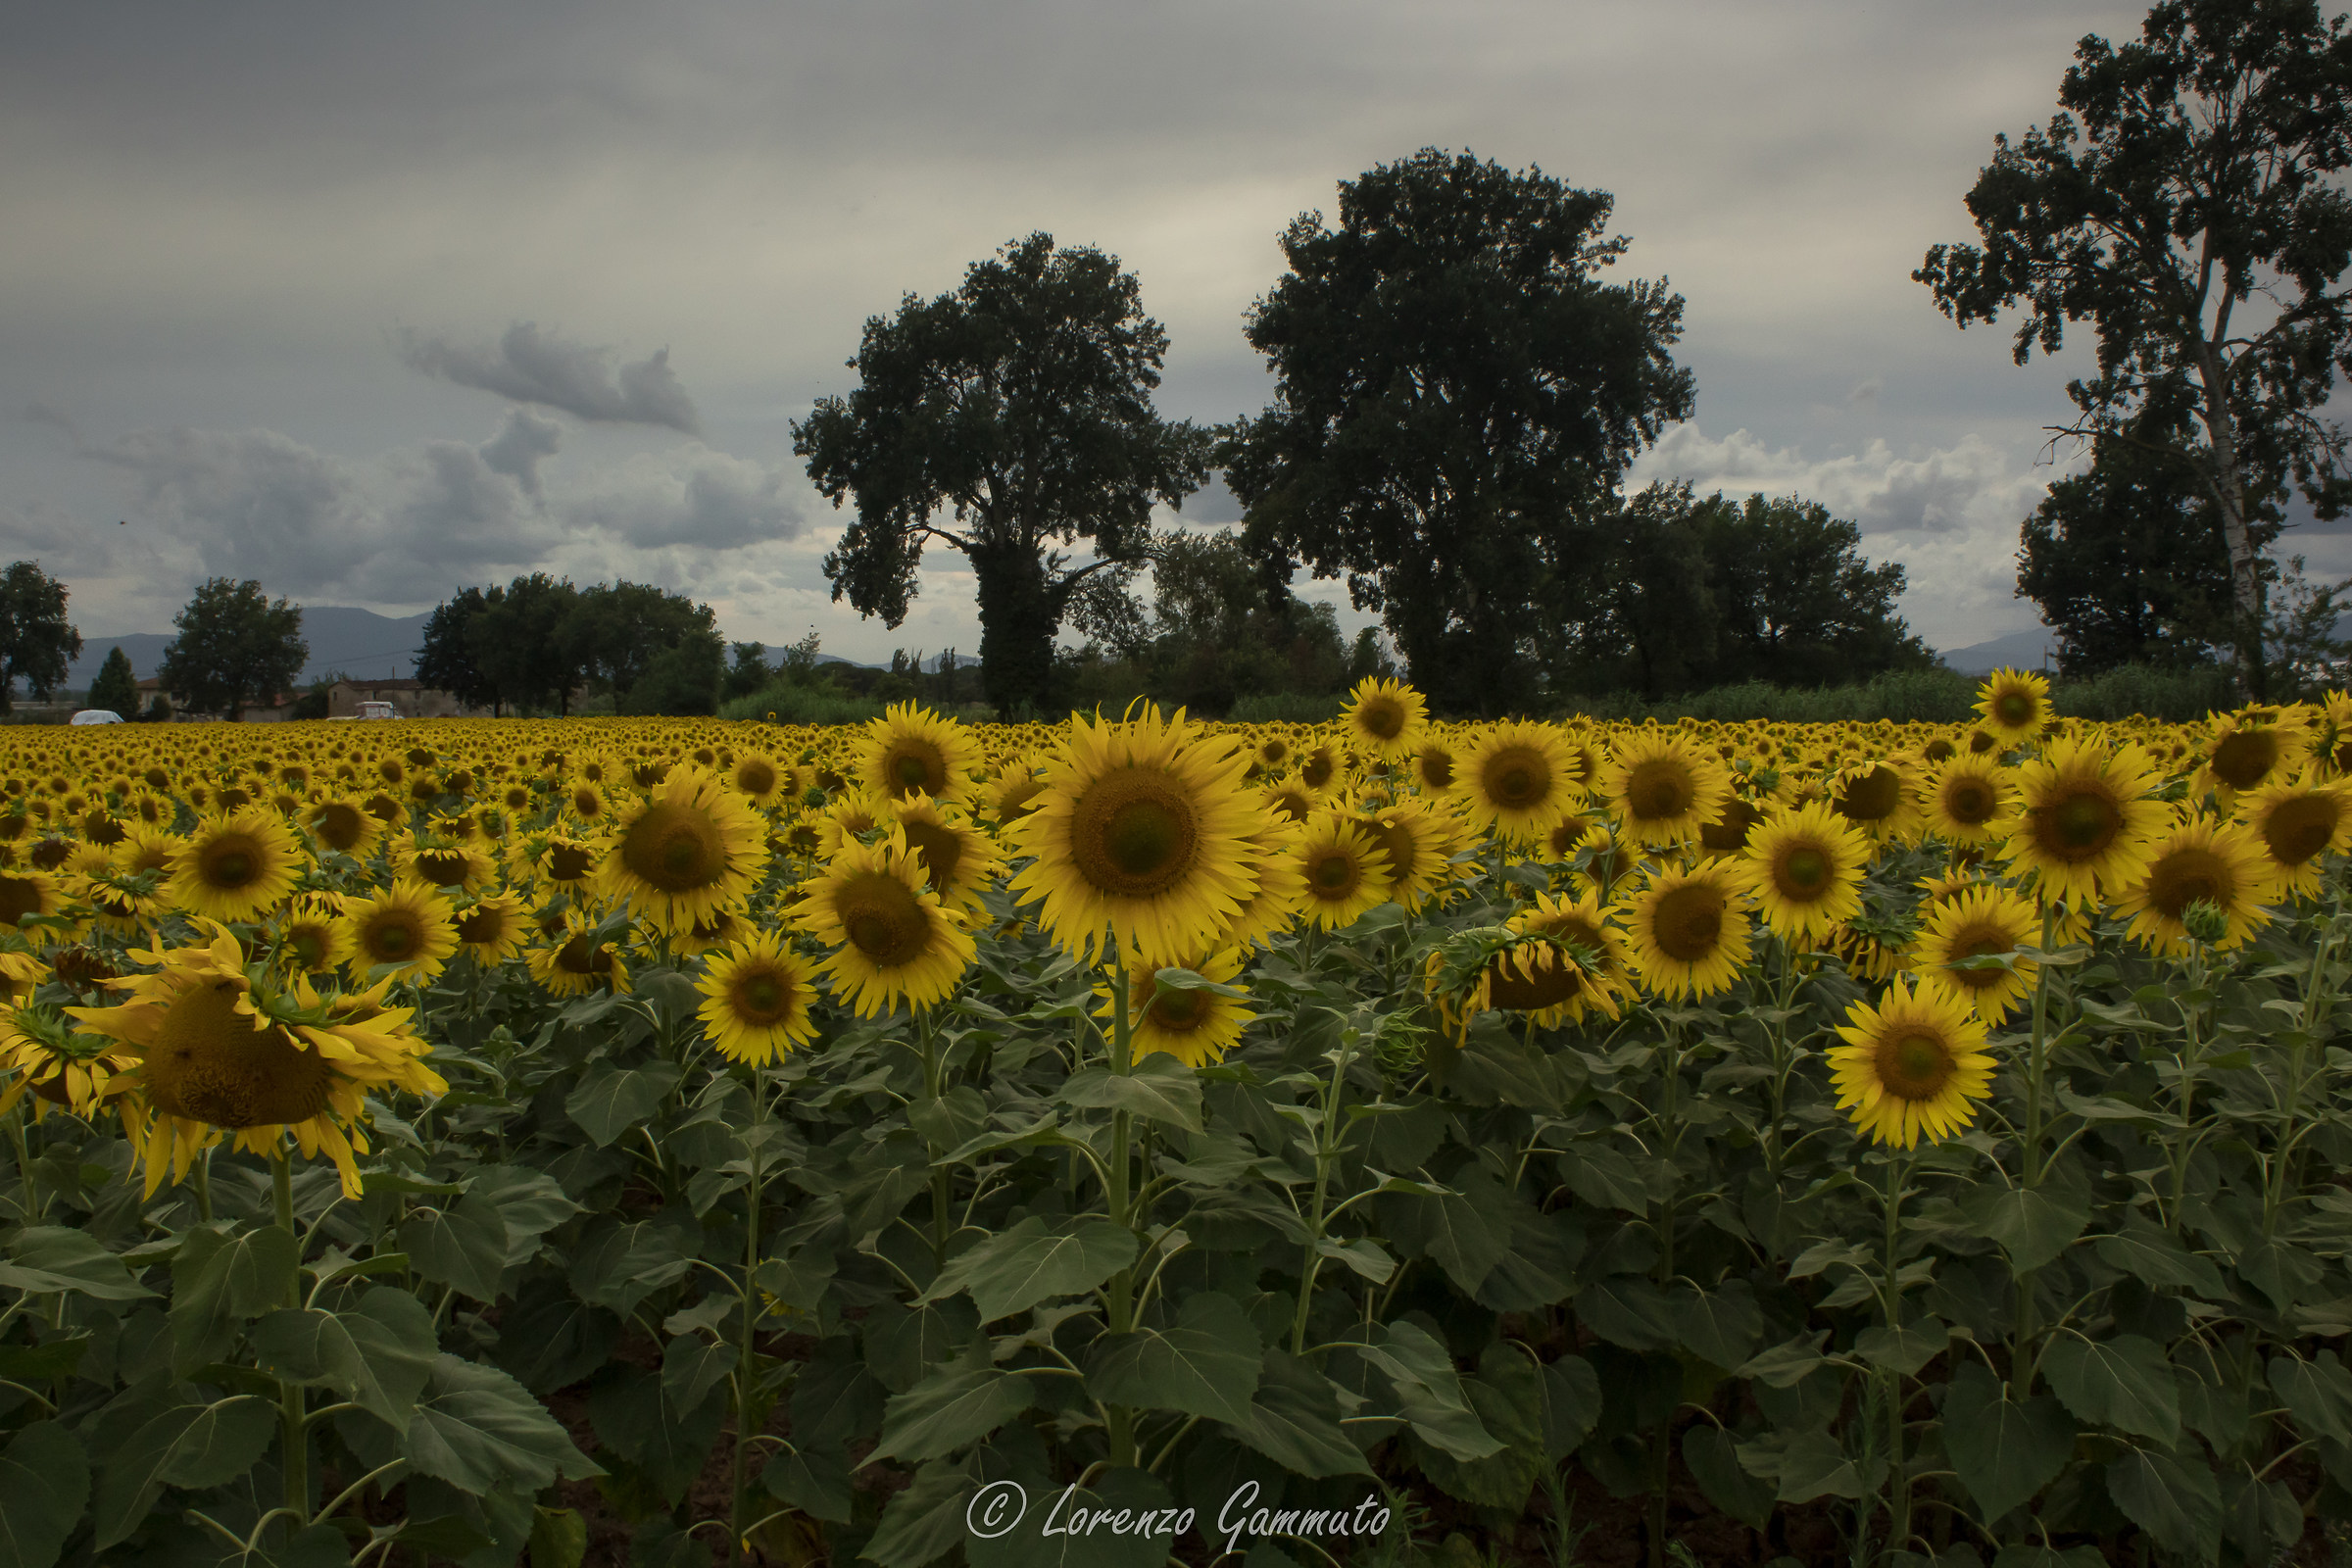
[801, 704]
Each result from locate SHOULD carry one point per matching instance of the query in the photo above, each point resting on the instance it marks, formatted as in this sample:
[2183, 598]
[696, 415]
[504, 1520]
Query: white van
[96, 716]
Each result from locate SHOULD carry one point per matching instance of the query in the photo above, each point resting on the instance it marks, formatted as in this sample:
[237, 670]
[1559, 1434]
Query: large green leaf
[2033, 1224]
[528, 1201]
[219, 1281]
[1160, 1089]
[1018, 1267]
[2004, 1452]
[1571, 1406]
[816, 1481]
[2318, 1394]
[1506, 1395]
[2176, 1501]
[186, 1442]
[1714, 1461]
[1428, 1390]
[923, 1522]
[477, 1428]
[2157, 1257]
[835, 1403]
[957, 1404]
[378, 1355]
[610, 1099]
[1466, 1229]
[45, 1259]
[620, 1262]
[2125, 1382]
[1294, 1420]
[44, 1480]
[462, 1246]
[1205, 1364]
[1721, 1326]
[664, 1439]
[1626, 1309]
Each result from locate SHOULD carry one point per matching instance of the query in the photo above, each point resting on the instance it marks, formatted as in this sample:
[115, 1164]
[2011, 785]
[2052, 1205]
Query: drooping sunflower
[2300, 821]
[1966, 798]
[1195, 1027]
[891, 938]
[1543, 979]
[687, 849]
[856, 814]
[911, 749]
[223, 1048]
[47, 1057]
[1143, 830]
[2015, 705]
[1913, 1065]
[406, 928]
[1345, 869]
[1689, 930]
[756, 999]
[2202, 861]
[1664, 787]
[559, 859]
[1982, 919]
[1805, 868]
[236, 867]
[722, 928]
[2086, 813]
[122, 902]
[344, 825]
[958, 855]
[454, 865]
[1385, 719]
[571, 958]
[1517, 780]
[1880, 796]
[492, 930]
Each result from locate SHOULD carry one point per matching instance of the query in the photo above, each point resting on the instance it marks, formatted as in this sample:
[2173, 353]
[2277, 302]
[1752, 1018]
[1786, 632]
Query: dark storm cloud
[521, 444]
[529, 365]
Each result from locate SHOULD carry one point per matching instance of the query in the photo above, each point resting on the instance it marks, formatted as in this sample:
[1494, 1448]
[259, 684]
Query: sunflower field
[674, 1142]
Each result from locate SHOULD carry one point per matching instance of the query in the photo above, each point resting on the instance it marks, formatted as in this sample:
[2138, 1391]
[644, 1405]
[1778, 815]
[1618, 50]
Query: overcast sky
[372, 303]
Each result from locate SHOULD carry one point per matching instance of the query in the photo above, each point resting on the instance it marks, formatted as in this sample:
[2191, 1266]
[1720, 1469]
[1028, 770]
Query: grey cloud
[709, 499]
[521, 444]
[531, 366]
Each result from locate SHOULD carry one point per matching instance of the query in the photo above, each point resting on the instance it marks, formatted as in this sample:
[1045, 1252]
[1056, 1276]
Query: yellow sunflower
[891, 938]
[453, 866]
[760, 778]
[1517, 780]
[958, 855]
[2085, 815]
[856, 814]
[344, 825]
[756, 997]
[311, 937]
[1689, 930]
[2015, 707]
[1385, 719]
[1419, 841]
[911, 750]
[570, 959]
[1280, 893]
[2200, 862]
[2300, 822]
[686, 850]
[222, 1048]
[1142, 829]
[1195, 1027]
[406, 929]
[1879, 796]
[1913, 1065]
[1664, 787]
[492, 930]
[236, 867]
[1805, 868]
[1966, 798]
[1541, 978]
[1981, 919]
[2247, 750]
[1433, 770]
[1347, 870]
[57, 1064]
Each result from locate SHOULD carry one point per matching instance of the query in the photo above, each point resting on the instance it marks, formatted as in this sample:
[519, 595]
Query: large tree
[37, 645]
[117, 686]
[234, 647]
[524, 642]
[447, 659]
[1458, 392]
[1000, 419]
[1799, 604]
[2181, 202]
[626, 631]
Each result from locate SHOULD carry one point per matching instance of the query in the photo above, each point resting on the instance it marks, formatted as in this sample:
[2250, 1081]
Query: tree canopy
[235, 647]
[1458, 392]
[2180, 201]
[536, 641]
[116, 687]
[1000, 419]
[38, 644]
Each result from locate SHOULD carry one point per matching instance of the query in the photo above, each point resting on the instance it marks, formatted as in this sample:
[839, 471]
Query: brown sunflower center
[1333, 873]
[755, 776]
[587, 801]
[569, 862]
[676, 849]
[443, 868]
[209, 1063]
[2299, 828]
[1437, 766]
[391, 936]
[339, 826]
[1977, 942]
[912, 764]
[2014, 709]
[1874, 796]
[1969, 801]
[940, 848]
[1689, 924]
[482, 926]
[308, 943]
[1171, 1009]
[229, 861]
[1016, 799]
[584, 956]
[2245, 757]
[760, 998]
[1516, 778]
[2081, 824]
[1382, 717]
[1915, 1065]
[885, 921]
[1729, 834]
[1801, 874]
[1535, 988]
[1135, 833]
[1659, 790]
[2185, 875]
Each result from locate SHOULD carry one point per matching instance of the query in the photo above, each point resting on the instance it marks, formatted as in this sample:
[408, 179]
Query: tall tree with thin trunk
[2181, 202]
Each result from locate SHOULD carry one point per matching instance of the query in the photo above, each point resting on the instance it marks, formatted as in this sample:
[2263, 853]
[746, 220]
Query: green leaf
[1626, 1309]
[379, 1356]
[2125, 1382]
[1606, 1179]
[44, 1480]
[1571, 1406]
[923, 1522]
[464, 1245]
[2179, 1504]
[1789, 1363]
[530, 1202]
[1506, 1395]
[188, 1442]
[2032, 1224]
[956, 1405]
[1294, 1420]
[1815, 1464]
[52, 1359]
[2156, 1258]
[1720, 1327]
[816, 1481]
[46, 1258]
[835, 1403]
[901, 1344]
[477, 1428]
[1428, 1390]
[1714, 1462]
[1205, 1365]
[610, 1099]
[2317, 1393]
[1466, 1229]
[622, 1262]
[559, 1537]
[1014, 1269]
[2279, 1269]
[666, 1443]
[2004, 1452]
[219, 1281]
[1159, 1089]
[1904, 1350]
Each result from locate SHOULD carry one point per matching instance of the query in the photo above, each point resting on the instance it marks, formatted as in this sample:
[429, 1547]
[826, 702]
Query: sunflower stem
[17, 1123]
[747, 1369]
[1119, 1419]
[204, 1186]
[1898, 1482]
[2184, 1087]
[1670, 1137]
[939, 1176]
[2317, 998]
[2021, 1339]
[294, 1459]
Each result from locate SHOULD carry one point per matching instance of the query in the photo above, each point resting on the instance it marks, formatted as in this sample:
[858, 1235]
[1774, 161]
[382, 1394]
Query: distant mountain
[2020, 649]
[352, 641]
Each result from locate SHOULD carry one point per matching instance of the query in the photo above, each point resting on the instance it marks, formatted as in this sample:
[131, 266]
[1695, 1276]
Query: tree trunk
[2229, 494]
[1021, 610]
